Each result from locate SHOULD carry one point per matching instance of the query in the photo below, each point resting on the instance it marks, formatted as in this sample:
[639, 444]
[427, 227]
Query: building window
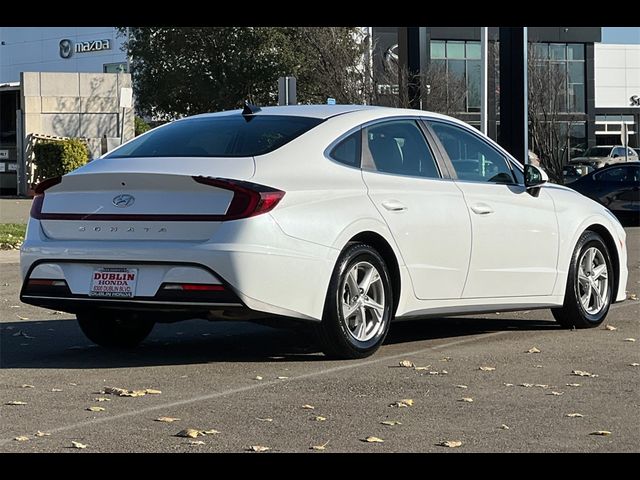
[461, 62]
[565, 64]
[120, 67]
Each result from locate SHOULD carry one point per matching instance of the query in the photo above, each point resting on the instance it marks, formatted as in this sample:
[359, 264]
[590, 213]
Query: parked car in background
[617, 187]
[604, 155]
[637, 150]
[571, 173]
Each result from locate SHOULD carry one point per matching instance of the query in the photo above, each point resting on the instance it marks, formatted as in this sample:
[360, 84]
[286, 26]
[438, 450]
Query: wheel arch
[380, 244]
[613, 251]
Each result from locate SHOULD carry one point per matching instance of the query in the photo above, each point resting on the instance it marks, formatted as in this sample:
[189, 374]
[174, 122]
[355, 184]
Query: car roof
[327, 111]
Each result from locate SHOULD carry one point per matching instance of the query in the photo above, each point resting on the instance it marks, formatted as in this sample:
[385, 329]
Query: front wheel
[114, 329]
[590, 284]
[358, 307]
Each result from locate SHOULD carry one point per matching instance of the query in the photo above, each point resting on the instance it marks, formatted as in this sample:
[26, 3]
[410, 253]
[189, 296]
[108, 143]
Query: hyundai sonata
[345, 217]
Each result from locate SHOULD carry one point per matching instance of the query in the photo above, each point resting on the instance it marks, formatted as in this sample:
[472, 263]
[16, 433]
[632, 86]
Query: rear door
[423, 208]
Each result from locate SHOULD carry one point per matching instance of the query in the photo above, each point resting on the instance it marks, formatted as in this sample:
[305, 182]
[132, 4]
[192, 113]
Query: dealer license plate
[114, 282]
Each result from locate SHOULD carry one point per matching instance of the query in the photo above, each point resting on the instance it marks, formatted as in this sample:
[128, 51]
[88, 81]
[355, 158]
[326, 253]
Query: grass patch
[11, 235]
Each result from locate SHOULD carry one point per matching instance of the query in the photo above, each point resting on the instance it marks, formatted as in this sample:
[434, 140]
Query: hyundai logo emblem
[124, 200]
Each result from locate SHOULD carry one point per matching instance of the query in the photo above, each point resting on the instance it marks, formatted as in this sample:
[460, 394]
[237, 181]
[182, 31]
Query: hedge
[54, 158]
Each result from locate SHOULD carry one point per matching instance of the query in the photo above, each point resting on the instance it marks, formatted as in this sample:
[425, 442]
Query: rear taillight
[38, 199]
[249, 199]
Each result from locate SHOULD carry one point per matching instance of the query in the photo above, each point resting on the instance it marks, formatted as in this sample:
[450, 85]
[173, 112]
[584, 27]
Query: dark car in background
[617, 187]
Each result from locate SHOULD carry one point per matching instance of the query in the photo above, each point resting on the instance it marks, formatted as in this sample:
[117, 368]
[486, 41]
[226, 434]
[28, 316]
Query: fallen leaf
[308, 407]
[152, 391]
[629, 339]
[407, 364]
[16, 402]
[538, 366]
[504, 427]
[258, 448]
[320, 447]
[601, 432]
[508, 384]
[166, 419]
[78, 445]
[391, 423]
[73, 384]
[445, 359]
[634, 364]
[450, 444]
[574, 415]
[265, 419]
[196, 442]
[573, 384]
[373, 440]
[27, 386]
[466, 399]
[42, 434]
[21, 317]
[557, 394]
[56, 389]
[526, 385]
[258, 377]
[582, 373]
[487, 369]
[210, 432]
[101, 399]
[462, 386]
[407, 402]
[541, 385]
[533, 350]
[418, 369]
[282, 378]
[21, 438]
[320, 418]
[611, 328]
[632, 296]
[123, 392]
[189, 432]
[96, 409]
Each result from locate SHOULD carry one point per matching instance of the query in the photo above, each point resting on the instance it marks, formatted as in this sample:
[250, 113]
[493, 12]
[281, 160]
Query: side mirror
[534, 176]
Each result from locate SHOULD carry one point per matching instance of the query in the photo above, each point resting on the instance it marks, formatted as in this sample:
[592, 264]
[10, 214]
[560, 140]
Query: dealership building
[74, 82]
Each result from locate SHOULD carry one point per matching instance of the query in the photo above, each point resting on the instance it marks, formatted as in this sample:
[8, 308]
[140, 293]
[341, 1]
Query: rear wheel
[114, 329]
[589, 284]
[358, 308]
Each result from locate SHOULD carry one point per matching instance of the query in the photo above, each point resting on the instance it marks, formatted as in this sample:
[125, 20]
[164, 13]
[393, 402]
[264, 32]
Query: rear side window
[348, 150]
[224, 136]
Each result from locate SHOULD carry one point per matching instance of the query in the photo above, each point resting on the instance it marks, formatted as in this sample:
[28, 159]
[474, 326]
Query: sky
[621, 35]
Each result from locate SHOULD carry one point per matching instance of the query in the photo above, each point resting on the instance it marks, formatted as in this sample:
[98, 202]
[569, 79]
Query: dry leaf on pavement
[26, 385]
[611, 328]
[419, 369]
[16, 402]
[632, 296]
[556, 394]
[574, 415]
[152, 391]
[320, 418]
[533, 350]
[101, 399]
[634, 364]
[629, 340]
[56, 389]
[211, 431]
[21, 438]
[466, 399]
[258, 377]
[450, 444]
[265, 419]
[573, 384]
[528, 385]
[189, 432]
[487, 369]
[582, 373]
[504, 427]
[373, 440]
[601, 432]
[258, 448]
[407, 402]
[308, 407]
[42, 434]
[78, 445]
[406, 364]
[319, 447]
[461, 386]
[391, 423]
[96, 409]
[166, 419]
[196, 442]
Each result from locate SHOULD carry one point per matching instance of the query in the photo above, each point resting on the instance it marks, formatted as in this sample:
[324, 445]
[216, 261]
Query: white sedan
[345, 217]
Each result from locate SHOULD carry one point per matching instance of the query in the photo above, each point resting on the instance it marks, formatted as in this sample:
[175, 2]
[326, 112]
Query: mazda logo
[124, 200]
[66, 48]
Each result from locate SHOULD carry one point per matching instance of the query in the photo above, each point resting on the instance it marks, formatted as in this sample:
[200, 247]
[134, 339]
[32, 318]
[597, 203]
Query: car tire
[342, 333]
[584, 306]
[113, 329]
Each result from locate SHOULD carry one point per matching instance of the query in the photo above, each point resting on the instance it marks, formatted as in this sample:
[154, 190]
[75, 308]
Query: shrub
[57, 157]
[141, 126]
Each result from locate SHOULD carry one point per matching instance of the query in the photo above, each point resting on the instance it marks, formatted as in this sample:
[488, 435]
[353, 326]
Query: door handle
[394, 206]
[481, 209]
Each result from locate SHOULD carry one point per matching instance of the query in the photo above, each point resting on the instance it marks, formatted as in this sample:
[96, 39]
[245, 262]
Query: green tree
[188, 70]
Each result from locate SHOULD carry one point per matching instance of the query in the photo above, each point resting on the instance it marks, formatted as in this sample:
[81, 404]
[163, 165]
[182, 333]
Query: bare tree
[549, 124]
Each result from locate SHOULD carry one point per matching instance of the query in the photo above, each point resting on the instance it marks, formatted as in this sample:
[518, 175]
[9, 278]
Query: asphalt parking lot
[255, 385]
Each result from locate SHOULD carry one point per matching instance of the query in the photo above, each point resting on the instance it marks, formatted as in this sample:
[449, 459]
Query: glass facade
[461, 61]
[565, 64]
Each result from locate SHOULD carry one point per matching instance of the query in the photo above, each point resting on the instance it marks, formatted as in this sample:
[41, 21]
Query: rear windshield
[597, 152]
[227, 136]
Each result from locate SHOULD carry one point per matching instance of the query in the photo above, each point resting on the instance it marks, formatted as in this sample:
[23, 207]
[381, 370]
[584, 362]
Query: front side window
[473, 159]
[620, 174]
[218, 136]
[618, 152]
[400, 147]
[348, 150]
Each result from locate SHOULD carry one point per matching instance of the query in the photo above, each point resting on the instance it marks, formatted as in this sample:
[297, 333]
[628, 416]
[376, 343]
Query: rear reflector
[249, 199]
[37, 282]
[193, 287]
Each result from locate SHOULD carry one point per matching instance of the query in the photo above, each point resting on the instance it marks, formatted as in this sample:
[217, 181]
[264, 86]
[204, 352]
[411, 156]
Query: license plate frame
[113, 282]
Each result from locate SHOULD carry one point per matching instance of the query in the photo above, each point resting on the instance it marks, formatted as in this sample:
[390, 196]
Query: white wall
[30, 49]
[617, 71]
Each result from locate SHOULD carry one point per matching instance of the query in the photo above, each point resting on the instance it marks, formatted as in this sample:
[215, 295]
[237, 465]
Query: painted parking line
[247, 388]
